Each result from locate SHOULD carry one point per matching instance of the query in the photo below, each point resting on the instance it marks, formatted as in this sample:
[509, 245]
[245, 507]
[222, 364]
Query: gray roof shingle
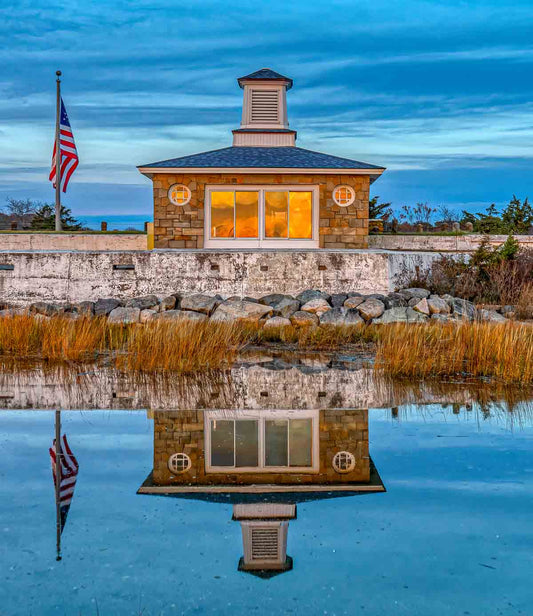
[263, 158]
[266, 73]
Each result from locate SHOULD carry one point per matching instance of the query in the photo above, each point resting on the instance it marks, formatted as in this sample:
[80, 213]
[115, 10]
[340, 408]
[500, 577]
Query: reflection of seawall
[266, 386]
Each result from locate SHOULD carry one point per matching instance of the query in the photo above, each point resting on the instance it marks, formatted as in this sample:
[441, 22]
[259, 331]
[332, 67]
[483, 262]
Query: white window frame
[261, 417]
[262, 241]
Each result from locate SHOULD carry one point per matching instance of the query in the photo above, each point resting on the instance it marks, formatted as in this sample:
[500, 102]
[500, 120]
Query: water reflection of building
[263, 462]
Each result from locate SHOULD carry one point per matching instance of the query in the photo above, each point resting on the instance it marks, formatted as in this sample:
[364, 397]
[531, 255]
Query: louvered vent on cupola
[265, 106]
[265, 543]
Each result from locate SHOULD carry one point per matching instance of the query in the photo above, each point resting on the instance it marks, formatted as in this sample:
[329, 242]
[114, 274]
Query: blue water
[451, 536]
[119, 222]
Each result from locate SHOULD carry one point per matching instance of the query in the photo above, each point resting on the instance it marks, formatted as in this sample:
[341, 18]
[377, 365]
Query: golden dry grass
[158, 346]
[500, 351]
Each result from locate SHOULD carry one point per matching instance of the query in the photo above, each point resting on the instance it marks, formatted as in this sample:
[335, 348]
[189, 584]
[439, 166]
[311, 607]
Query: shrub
[491, 275]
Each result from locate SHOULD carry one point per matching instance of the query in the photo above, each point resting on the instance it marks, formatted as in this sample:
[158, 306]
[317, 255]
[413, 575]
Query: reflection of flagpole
[58, 484]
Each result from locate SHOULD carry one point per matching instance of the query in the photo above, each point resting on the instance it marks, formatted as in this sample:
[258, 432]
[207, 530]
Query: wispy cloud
[419, 87]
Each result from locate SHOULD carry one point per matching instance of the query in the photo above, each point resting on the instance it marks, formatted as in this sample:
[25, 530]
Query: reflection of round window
[179, 463]
[344, 195]
[179, 194]
[343, 462]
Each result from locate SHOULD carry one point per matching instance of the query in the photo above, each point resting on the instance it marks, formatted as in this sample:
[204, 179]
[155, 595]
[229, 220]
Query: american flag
[69, 474]
[69, 155]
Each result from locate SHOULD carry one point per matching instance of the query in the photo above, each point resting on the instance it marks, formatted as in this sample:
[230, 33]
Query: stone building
[263, 191]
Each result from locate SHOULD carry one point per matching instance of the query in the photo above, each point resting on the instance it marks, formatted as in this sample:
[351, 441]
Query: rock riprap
[310, 308]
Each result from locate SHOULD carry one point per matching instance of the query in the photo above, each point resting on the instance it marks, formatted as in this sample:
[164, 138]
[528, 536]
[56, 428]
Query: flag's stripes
[69, 155]
[69, 474]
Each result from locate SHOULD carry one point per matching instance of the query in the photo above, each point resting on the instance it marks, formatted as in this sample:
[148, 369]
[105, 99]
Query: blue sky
[439, 92]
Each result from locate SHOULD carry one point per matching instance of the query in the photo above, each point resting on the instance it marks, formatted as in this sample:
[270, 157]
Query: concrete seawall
[440, 243]
[72, 241]
[70, 276]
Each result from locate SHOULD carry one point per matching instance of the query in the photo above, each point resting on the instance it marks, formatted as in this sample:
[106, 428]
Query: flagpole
[58, 484]
[58, 151]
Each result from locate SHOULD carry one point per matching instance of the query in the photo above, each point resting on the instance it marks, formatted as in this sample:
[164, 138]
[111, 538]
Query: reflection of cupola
[264, 111]
[264, 536]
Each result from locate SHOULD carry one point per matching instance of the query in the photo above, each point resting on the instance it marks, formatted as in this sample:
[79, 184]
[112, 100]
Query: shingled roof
[268, 74]
[261, 158]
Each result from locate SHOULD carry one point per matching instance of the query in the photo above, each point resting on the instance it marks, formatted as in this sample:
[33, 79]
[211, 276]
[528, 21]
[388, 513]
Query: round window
[179, 463]
[343, 195]
[343, 462]
[179, 194]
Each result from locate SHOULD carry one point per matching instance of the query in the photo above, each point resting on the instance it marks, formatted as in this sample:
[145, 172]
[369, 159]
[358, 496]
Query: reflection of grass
[504, 352]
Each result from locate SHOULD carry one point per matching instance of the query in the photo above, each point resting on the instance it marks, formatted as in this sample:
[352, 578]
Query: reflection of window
[262, 443]
[261, 216]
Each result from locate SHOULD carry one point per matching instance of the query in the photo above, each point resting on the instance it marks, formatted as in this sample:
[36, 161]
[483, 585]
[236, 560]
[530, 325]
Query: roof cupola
[264, 110]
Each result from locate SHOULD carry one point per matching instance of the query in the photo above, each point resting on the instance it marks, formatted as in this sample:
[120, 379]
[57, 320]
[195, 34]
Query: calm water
[119, 222]
[450, 535]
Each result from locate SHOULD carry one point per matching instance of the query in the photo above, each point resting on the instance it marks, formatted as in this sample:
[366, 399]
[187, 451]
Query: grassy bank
[500, 351]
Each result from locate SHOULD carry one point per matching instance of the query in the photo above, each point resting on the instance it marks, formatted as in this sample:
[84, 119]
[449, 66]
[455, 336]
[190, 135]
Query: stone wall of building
[183, 226]
[183, 432]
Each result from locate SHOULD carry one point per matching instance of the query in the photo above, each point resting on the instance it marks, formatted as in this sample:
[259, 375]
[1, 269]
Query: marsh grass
[499, 351]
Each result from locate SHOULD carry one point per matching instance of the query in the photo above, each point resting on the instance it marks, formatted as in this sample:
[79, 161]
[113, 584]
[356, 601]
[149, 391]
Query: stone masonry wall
[183, 431]
[183, 226]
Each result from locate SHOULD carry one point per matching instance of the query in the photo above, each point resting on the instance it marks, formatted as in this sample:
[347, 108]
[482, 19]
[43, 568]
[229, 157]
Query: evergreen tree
[517, 217]
[379, 210]
[45, 219]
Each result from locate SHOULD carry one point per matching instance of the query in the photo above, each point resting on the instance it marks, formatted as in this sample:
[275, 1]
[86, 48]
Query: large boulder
[400, 315]
[85, 309]
[422, 307]
[381, 297]
[241, 311]
[438, 305]
[180, 315]
[337, 300]
[45, 308]
[396, 300]
[168, 303]
[443, 318]
[491, 315]
[317, 306]
[282, 305]
[273, 298]
[464, 309]
[124, 315]
[353, 301]
[105, 306]
[309, 294]
[275, 322]
[339, 316]
[147, 315]
[143, 303]
[199, 302]
[13, 311]
[303, 319]
[371, 309]
[414, 292]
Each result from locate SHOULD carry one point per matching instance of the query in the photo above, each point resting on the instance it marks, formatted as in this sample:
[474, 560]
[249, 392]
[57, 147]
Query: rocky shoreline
[309, 308]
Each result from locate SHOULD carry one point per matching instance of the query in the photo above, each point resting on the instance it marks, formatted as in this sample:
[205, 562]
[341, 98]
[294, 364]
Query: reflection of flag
[69, 155]
[69, 474]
